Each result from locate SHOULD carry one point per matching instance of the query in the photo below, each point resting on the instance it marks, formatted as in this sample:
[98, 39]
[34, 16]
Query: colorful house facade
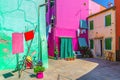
[69, 22]
[95, 7]
[102, 34]
[22, 16]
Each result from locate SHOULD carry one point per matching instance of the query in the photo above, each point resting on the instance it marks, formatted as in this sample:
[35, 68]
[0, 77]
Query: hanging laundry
[82, 42]
[49, 31]
[83, 31]
[29, 35]
[78, 32]
[17, 43]
[83, 24]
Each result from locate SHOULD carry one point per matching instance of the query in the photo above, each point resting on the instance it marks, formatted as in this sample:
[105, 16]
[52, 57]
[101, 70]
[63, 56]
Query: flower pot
[73, 58]
[70, 59]
[56, 56]
[39, 75]
[67, 59]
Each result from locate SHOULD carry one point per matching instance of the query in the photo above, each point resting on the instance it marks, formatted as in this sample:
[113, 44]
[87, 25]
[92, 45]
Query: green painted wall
[21, 16]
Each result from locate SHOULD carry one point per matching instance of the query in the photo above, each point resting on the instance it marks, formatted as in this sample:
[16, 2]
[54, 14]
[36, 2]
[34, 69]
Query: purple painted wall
[50, 12]
[51, 43]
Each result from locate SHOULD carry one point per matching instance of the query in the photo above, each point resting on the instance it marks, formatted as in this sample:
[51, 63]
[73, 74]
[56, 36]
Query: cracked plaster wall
[20, 16]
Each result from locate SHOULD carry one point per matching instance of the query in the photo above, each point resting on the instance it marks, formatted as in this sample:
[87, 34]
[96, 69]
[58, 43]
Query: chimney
[110, 4]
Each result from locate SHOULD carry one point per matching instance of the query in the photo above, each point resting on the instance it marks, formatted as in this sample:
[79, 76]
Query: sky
[104, 2]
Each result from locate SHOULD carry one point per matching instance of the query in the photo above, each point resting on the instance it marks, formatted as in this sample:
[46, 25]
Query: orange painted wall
[117, 4]
[102, 8]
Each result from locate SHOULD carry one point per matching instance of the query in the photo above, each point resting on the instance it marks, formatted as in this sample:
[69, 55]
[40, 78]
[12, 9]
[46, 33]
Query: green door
[66, 49]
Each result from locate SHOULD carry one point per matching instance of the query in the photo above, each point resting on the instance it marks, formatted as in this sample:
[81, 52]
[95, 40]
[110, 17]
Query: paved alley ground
[79, 69]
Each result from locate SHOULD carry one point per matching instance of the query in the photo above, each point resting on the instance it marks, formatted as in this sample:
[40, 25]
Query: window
[83, 24]
[91, 25]
[108, 43]
[108, 20]
[84, 4]
[52, 20]
[51, 3]
[91, 44]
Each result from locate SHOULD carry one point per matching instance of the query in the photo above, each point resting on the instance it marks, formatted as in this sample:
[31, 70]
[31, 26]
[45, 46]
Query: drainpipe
[39, 37]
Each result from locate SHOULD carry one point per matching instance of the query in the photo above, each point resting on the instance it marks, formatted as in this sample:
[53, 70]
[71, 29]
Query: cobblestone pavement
[79, 69]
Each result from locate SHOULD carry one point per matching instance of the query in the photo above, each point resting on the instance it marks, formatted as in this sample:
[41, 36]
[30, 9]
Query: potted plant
[82, 50]
[88, 53]
[72, 58]
[56, 53]
[39, 71]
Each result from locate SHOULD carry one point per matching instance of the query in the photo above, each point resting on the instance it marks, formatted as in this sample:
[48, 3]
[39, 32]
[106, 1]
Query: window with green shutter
[108, 20]
[91, 44]
[108, 43]
[91, 25]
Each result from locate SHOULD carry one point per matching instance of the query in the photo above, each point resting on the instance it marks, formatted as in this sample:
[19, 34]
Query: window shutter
[91, 25]
[108, 43]
[108, 20]
[91, 44]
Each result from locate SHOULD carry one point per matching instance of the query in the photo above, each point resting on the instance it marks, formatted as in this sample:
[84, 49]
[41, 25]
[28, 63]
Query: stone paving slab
[79, 69]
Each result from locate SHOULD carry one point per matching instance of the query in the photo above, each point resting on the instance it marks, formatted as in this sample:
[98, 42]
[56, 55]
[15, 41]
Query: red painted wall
[117, 4]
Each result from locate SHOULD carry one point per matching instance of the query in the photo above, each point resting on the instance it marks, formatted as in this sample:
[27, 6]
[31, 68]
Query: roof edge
[102, 11]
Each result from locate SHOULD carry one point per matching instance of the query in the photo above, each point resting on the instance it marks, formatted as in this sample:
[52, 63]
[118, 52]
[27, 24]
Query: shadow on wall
[106, 70]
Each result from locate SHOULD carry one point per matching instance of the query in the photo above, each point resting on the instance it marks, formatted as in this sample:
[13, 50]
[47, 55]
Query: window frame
[105, 20]
[90, 24]
[52, 3]
[105, 43]
[92, 44]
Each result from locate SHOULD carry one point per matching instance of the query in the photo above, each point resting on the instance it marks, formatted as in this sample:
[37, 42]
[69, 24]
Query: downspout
[39, 37]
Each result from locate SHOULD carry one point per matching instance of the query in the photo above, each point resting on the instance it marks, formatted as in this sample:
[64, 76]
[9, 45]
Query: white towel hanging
[49, 31]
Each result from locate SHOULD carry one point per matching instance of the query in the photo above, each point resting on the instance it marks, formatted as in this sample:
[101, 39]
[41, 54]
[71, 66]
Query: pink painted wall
[94, 7]
[69, 13]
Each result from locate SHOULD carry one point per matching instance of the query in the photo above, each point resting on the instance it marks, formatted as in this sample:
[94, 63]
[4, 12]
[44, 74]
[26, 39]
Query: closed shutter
[108, 20]
[91, 25]
[91, 44]
[108, 43]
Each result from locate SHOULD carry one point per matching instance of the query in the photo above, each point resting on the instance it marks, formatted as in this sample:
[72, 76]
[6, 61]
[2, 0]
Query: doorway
[66, 48]
[98, 47]
[119, 43]
[101, 48]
